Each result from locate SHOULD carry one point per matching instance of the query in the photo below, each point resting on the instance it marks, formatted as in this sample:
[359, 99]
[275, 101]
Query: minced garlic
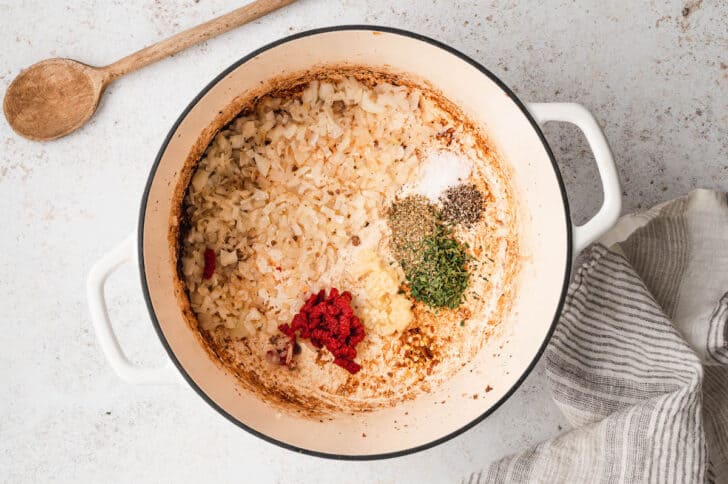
[381, 307]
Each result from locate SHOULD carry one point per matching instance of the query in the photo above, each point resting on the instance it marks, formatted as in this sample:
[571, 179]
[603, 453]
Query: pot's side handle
[608, 213]
[126, 370]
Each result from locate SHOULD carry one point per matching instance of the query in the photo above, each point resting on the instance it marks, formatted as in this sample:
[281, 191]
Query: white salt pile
[441, 170]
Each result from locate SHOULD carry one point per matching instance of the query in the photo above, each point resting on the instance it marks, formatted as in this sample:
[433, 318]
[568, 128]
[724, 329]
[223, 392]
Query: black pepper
[462, 204]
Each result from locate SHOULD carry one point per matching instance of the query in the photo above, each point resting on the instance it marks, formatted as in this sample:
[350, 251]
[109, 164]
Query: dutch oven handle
[125, 369]
[608, 213]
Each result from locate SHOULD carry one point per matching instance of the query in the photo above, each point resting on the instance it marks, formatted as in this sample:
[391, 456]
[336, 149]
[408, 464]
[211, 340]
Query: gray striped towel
[639, 359]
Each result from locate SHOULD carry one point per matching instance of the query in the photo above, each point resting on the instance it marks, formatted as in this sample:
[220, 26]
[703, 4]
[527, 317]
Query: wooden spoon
[55, 97]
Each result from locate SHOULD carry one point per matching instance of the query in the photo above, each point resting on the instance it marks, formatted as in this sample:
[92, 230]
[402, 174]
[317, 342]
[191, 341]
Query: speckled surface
[655, 74]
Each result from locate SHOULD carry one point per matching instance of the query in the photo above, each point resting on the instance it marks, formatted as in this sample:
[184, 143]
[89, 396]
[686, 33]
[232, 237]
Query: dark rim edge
[569, 247]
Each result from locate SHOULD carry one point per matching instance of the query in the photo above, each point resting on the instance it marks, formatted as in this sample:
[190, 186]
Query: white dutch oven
[548, 243]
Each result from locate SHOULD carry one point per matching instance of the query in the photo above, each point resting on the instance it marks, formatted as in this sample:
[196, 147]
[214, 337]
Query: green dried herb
[441, 276]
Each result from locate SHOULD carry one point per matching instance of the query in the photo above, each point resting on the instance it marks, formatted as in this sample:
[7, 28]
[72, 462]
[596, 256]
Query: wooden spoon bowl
[52, 98]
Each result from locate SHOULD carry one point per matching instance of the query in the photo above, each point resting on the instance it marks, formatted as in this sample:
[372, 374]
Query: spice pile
[462, 204]
[328, 322]
[412, 220]
[441, 276]
[435, 263]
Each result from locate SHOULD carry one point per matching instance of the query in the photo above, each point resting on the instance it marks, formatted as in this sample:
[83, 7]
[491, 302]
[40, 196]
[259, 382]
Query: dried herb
[411, 220]
[441, 277]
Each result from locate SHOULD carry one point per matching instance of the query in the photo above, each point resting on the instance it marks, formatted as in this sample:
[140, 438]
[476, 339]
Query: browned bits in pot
[338, 106]
[447, 136]
[355, 240]
[462, 204]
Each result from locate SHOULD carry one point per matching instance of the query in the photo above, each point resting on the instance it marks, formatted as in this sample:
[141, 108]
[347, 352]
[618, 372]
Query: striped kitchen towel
[639, 359]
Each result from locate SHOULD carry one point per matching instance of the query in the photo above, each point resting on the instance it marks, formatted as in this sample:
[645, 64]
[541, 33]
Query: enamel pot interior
[545, 246]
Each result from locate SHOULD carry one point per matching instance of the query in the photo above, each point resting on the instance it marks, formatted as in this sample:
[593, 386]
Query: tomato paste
[329, 321]
[209, 269]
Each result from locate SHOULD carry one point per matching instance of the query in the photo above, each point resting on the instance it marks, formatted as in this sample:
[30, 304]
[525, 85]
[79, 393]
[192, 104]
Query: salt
[440, 171]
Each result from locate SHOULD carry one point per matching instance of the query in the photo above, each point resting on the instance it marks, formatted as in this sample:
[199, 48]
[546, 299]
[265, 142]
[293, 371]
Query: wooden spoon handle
[185, 39]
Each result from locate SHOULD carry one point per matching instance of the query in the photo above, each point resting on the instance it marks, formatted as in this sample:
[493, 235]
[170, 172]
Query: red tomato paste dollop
[329, 322]
[209, 269]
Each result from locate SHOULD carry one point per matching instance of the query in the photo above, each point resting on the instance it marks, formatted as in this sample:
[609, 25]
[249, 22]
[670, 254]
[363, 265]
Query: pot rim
[562, 190]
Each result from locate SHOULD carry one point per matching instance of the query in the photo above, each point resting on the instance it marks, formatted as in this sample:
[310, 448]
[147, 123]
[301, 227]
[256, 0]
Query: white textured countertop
[655, 74]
